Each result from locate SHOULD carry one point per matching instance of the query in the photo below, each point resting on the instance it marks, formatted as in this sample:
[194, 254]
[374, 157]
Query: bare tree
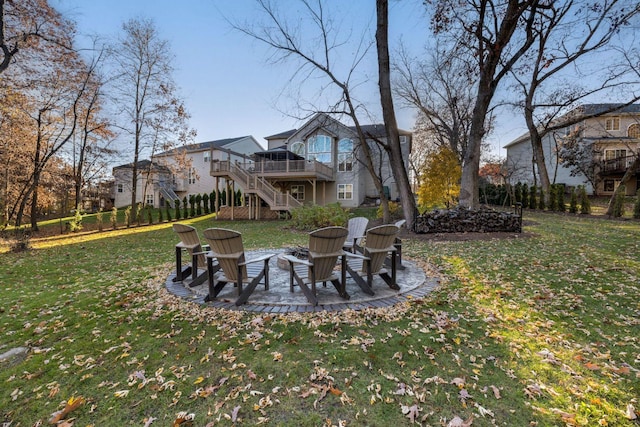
[155, 115]
[94, 133]
[493, 36]
[441, 90]
[566, 33]
[285, 38]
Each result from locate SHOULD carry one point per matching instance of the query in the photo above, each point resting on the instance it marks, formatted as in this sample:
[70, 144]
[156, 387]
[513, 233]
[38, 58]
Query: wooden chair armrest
[357, 256]
[295, 260]
[377, 251]
[257, 259]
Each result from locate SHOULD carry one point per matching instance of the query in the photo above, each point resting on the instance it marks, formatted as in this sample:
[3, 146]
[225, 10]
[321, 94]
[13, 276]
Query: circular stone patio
[278, 299]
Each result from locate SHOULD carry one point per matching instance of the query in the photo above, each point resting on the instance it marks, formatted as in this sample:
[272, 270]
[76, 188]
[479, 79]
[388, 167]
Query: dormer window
[612, 123]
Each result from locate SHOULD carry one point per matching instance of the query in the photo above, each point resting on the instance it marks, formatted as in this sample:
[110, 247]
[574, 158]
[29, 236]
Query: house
[178, 172]
[319, 163]
[607, 137]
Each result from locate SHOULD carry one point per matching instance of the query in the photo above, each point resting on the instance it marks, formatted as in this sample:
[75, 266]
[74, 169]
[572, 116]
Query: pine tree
[525, 195]
[533, 202]
[573, 203]
[585, 204]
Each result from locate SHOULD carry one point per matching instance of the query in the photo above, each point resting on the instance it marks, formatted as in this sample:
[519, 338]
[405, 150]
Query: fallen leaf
[496, 391]
[234, 414]
[631, 412]
[459, 422]
[70, 405]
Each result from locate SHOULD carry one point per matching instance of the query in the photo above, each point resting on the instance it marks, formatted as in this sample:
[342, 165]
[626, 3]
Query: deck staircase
[253, 184]
[167, 192]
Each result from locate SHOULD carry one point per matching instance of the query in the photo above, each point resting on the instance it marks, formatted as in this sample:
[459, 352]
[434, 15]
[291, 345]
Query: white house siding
[123, 176]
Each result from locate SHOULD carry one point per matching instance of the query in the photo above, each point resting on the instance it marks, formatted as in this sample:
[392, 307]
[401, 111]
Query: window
[319, 148]
[120, 188]
[614, 154]
[345, 191]
[634, 131]
[297, 192]
[610, 185]
[612, 123]
[192, 175]
[207, 156]
[297, 148]
[345, 155]
[149, 199]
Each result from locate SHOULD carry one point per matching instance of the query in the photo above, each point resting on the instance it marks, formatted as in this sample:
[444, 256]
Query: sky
[229, 83]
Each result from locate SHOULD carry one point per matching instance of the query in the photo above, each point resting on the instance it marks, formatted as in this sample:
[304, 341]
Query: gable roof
[207, 145]
[143, 164]
[594, 109]
[282, 135]
[376, 130]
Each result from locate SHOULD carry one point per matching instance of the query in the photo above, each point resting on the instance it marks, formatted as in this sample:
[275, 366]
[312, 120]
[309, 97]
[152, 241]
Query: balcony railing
[275, 168]
[617, 165]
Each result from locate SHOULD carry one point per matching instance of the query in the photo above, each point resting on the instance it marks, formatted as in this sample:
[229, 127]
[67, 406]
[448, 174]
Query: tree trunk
[388, 112]
[629, 173]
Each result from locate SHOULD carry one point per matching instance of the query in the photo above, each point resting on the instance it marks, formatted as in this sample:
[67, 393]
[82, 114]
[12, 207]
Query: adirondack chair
[398, 244]
[227, 248]
[379, 242]
[357, 226]
[190, 242]
[325, 247]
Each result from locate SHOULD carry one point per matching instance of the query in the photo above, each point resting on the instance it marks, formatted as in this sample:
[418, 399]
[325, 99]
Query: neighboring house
[320, 163]
[610, 143]
[179, 172]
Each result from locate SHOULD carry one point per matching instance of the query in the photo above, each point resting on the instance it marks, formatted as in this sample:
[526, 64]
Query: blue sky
[228, 84]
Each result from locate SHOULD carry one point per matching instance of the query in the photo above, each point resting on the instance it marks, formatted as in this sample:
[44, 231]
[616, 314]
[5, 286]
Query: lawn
[540, 330]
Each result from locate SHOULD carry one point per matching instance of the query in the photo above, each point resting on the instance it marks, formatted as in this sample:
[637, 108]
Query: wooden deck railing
[619, 164]
[244, 175]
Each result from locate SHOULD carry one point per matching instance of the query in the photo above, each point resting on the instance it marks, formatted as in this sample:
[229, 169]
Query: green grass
[541, 330]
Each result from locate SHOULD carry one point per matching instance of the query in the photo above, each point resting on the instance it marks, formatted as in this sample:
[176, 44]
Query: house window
[614, 154]
[345, 155]
[207, 156]
[403, 139]
[297, 148]
[634, 131]
[192, 175]
[297, 192]
[319, 148]
[345, 191]
[149, 199]
[610, 185]
[612, 123]
[120, 188]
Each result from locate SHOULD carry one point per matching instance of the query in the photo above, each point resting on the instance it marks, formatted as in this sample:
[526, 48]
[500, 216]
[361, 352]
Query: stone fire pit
[298, 252]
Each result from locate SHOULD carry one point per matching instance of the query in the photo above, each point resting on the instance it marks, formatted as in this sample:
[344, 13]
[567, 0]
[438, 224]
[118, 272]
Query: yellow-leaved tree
[440, 180]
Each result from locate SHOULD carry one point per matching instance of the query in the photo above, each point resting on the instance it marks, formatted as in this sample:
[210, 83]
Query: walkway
[278, 299]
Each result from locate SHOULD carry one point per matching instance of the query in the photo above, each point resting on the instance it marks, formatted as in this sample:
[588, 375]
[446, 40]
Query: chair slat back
[329, 240]
[189, 237]
[378, 239]
[226, 246]
[357, 226]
